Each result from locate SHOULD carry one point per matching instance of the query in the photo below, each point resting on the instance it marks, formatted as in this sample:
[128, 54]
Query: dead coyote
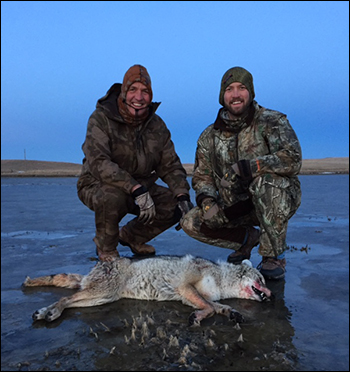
[196, 282]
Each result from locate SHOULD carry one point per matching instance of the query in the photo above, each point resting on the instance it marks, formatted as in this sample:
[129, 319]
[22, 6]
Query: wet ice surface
[45, 229]
[39, 235]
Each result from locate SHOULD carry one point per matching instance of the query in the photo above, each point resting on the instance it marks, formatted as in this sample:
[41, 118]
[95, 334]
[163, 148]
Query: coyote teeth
[261, 294]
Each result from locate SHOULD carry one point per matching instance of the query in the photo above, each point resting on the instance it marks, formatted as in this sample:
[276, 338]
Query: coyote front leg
[206, 308]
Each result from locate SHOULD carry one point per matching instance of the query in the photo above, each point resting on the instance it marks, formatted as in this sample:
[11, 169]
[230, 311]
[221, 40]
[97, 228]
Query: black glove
[213, 216]
[238, 177]
[184, 204]
[145, 202]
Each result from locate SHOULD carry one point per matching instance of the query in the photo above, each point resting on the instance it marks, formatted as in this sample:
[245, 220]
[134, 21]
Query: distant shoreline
[37, 168]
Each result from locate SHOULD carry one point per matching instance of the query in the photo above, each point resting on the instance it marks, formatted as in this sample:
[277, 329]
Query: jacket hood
[109, 105]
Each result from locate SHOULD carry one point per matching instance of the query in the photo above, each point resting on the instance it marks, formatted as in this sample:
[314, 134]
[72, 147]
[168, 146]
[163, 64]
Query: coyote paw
[193, 321]
[236, 316]
[40, 314]
[52, 315]
[46, 313]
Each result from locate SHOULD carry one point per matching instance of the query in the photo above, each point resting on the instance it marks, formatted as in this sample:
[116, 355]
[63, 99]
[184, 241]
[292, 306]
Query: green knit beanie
[237, 74]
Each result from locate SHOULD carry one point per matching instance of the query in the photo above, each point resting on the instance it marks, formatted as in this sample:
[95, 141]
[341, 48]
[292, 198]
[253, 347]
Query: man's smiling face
[236, 98]
[138, 98]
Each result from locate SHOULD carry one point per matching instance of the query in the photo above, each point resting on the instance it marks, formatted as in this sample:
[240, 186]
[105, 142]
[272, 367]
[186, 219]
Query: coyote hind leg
[83, 298]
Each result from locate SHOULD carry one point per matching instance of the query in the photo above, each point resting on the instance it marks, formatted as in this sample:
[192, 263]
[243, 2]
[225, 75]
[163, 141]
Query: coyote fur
[195, 281]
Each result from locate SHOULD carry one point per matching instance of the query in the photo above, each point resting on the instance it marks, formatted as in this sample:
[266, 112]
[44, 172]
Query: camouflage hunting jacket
[265, 137]
[123, 156]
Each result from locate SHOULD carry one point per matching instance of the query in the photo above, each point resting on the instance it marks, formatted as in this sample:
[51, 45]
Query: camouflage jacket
[265, 137]
[123, 156]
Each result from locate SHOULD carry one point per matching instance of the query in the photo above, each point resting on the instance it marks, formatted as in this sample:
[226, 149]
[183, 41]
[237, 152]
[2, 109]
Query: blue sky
[59, 57]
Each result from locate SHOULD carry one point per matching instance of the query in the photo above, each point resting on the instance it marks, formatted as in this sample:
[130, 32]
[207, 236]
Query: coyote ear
[247, 263]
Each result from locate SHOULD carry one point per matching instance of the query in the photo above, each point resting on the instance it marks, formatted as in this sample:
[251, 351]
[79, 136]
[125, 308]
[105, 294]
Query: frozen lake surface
[45, 229]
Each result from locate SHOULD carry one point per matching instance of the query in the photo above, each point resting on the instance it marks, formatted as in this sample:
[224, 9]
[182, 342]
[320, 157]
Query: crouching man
[245, 176]
[127, 147]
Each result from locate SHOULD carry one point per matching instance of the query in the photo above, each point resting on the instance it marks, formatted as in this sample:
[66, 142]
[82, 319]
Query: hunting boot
[106, 256]
[244, 252]
[272, 268]
[138, 249]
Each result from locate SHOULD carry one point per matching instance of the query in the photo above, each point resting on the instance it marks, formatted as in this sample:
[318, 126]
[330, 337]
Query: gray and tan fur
[196, 282]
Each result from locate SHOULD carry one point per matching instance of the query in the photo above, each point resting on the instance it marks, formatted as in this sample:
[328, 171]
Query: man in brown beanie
[127, 148]
[245, 176]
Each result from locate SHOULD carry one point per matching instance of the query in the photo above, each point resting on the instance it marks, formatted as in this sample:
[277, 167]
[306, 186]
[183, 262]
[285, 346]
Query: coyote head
[246, 282]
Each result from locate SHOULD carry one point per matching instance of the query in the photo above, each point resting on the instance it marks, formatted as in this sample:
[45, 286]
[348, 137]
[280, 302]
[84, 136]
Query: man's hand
[184, 204]
[213, 216]
[145, 202]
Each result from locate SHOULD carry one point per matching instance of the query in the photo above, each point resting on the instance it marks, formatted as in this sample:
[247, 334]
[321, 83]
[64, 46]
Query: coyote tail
[59, 280]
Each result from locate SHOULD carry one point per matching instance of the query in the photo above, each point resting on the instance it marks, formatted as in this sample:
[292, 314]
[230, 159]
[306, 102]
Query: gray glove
[213, 216]
[145, 202]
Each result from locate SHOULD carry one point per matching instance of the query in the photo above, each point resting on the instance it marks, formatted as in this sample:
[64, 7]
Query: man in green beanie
[245, 178]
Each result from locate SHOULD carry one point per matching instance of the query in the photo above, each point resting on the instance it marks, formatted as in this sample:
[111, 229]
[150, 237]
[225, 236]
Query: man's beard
[238, 113]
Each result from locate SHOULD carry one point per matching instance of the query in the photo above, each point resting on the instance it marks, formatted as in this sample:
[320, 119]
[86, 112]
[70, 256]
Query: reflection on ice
[39, 235]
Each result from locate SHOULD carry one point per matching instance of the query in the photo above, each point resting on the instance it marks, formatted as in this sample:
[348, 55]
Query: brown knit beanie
[237, 74]
[136, 73]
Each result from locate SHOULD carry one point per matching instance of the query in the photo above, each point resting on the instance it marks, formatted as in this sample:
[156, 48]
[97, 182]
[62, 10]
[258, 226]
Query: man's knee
[268, 181]
[191, 222]
[273, 192]
[110, 197]
[107, 199]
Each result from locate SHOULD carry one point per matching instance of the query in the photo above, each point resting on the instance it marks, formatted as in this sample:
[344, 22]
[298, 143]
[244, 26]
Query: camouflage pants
[111, 204]
[275, 200]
